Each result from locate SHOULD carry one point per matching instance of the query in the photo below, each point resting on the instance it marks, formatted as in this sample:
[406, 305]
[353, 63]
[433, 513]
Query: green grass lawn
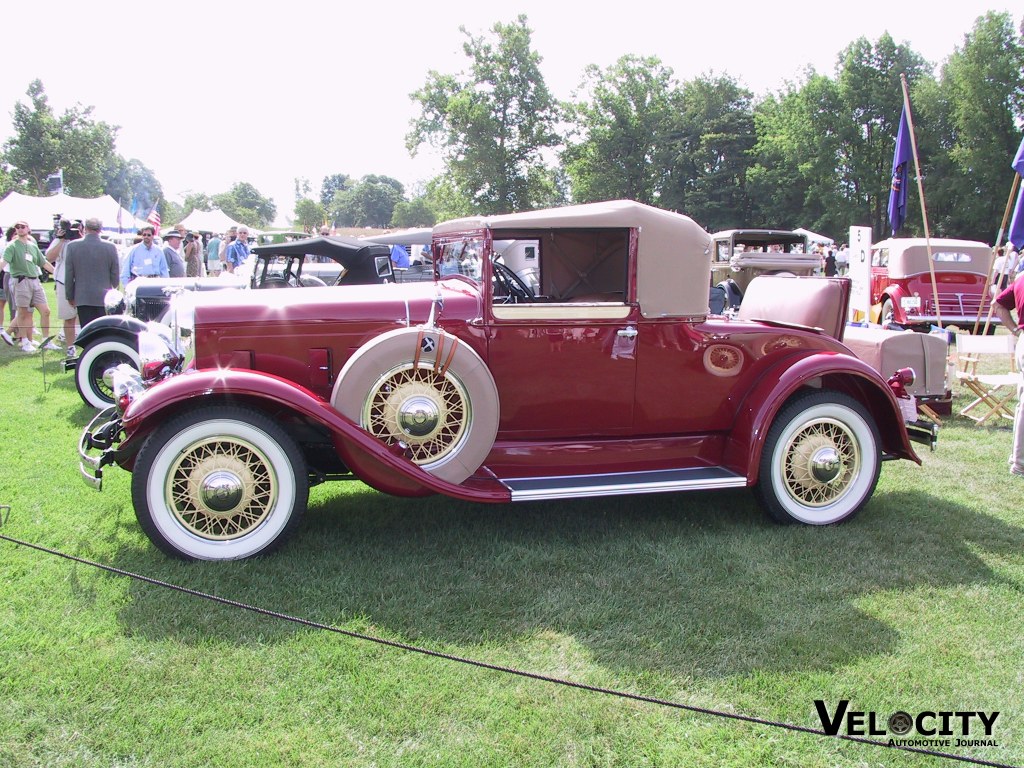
[914, 605]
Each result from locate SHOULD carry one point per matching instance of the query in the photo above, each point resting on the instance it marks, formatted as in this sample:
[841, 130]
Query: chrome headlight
[157, 355]
[130, 301]
[114, 301]
[126, 384]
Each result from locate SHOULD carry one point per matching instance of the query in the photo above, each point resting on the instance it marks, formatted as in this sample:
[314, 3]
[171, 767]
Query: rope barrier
[494, 667]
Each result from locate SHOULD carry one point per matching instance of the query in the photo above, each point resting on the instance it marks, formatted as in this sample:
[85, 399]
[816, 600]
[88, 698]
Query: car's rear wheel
[428, 393]
[219, 483]
[888, 314]
[95, 361]
[821, 460]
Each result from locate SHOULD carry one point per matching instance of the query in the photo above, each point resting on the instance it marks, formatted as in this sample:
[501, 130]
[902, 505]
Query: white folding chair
[994, 392]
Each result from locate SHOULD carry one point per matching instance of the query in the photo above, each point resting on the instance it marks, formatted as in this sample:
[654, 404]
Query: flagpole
[920, 192]
[1002, 270]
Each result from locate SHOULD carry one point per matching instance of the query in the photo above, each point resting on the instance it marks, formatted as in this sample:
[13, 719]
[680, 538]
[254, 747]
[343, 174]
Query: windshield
[462, 257]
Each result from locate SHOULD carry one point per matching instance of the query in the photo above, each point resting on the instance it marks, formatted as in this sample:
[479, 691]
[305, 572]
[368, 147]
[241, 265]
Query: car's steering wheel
[514, 289]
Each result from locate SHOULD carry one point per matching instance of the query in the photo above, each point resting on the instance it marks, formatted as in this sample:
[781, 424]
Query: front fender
[826, 370]
[894, 293]
[375, 463]
[123, 326]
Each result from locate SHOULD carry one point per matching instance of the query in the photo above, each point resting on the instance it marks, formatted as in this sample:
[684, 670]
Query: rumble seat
[814, 302]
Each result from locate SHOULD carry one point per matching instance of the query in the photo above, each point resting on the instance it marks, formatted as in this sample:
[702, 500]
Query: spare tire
[427, 391]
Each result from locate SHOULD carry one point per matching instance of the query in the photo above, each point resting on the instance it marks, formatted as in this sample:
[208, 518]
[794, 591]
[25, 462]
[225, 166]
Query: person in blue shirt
[238, 252]
[144, 260]
[399, 257]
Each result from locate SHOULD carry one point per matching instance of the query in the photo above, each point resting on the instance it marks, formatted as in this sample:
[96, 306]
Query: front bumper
[103, 434]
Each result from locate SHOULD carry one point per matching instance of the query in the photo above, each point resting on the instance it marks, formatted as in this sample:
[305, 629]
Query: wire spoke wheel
[220, 489]
[219, 482]
[820, 462]
[427, 412]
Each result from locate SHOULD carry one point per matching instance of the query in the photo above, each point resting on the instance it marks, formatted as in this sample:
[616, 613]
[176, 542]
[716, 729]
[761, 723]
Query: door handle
[628, 333]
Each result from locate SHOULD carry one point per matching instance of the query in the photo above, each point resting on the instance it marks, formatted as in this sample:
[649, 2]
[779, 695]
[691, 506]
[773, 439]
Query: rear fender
[839, 372]
[373, 462]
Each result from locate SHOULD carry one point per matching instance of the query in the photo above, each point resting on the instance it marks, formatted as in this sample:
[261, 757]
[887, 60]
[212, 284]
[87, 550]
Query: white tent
[39, 211]
[814, 238]
[210, 221]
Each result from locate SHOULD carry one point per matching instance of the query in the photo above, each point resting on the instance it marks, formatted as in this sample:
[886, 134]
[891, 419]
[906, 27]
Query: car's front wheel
[96, 359]
[821, 460]
[219, 483]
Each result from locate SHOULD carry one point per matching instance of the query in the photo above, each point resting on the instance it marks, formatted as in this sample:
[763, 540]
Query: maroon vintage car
[557, 354]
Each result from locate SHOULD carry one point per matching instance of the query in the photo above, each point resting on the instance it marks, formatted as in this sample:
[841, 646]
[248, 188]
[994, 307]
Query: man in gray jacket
[90, 270]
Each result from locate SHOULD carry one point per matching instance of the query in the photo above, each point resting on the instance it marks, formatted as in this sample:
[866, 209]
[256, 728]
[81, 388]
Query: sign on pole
[860, 273]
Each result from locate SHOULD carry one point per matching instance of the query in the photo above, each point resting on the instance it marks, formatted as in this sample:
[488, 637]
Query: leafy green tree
[492, 124]
[309, 214]
[331, 185]
[871, 93]
[413, 213]
[705, 152]
[982, 90]
[134, 185]
[196, 201]
[244, 203]
[370, 203]
[797, 177]
[621, 122]
[171, 214]
[44, 143]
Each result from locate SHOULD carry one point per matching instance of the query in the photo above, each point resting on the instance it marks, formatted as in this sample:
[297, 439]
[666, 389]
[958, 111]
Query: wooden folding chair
[994, 392]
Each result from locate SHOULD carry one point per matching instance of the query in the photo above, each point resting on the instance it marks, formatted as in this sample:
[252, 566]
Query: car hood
[391, 302]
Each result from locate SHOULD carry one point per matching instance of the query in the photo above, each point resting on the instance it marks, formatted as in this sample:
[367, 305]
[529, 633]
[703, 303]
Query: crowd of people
[85, 266]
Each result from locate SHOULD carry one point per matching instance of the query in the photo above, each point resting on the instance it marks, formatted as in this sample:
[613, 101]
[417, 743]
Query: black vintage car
[111, 340]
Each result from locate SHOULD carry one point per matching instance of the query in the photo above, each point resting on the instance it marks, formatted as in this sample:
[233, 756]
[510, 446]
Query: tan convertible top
[673, 258]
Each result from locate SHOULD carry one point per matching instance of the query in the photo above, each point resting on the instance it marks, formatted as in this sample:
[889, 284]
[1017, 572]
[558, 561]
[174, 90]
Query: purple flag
[1016, 233]
[900, 175]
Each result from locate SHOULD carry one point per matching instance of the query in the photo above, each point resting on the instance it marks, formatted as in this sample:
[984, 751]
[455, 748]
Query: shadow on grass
[692, 584]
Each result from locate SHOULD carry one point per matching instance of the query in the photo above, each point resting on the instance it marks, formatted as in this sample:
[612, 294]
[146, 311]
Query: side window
[563, 266]
[880, 257]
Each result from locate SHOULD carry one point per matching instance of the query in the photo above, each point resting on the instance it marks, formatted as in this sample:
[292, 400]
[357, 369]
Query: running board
[621, 483]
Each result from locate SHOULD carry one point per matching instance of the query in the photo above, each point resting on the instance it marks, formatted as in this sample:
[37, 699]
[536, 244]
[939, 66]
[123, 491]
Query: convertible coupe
[556, 354]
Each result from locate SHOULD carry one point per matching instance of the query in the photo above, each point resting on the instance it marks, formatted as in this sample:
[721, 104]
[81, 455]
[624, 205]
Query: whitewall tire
[219, 483]
[93, 363]
[821, 460]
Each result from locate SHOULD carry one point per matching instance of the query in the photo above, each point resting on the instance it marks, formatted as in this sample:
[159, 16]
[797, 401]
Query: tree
[797, 177]
[44, 143]
[309, 214]
[706, 152]
[245, 204]
[413, 213]
[370, 203]
[332, 185]
[982, 92]
[134, 185]
[871, 93]
[622, 121]
[492, 124]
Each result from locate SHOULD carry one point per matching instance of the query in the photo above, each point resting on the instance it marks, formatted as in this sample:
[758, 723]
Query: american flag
[154, 217]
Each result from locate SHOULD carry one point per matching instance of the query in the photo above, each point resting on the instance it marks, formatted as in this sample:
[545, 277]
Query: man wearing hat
[172, 252]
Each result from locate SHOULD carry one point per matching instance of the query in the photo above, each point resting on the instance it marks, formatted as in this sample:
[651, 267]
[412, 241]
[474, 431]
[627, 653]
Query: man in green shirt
[26, 263]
